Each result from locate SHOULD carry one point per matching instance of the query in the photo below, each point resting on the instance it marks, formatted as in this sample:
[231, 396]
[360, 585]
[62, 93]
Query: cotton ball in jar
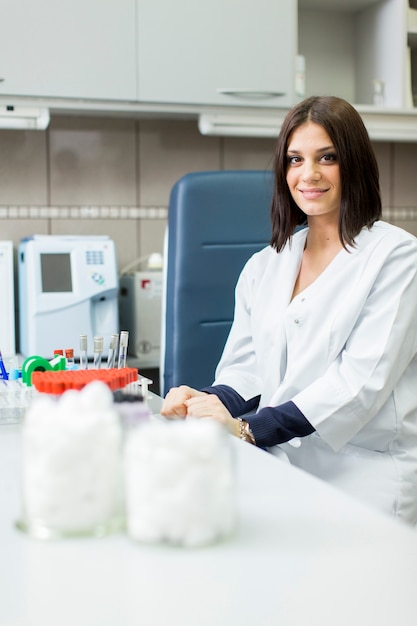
[72, 479]
[180, 483]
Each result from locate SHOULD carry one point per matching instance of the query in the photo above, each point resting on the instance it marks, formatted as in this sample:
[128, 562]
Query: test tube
[112, 350]
[83, 352]
[124, 340]
[69, 355]
[3, 372]
[98, 351]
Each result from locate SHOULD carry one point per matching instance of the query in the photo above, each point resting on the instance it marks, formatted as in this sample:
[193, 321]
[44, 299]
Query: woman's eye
[329, 158]
[293, 160]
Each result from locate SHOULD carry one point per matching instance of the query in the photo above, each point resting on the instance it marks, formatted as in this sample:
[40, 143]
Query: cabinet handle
[2, 80]
[250, 93]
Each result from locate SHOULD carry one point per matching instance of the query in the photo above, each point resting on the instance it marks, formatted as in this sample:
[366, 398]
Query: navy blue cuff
[233, 401]
[271, 425]
[274, 425]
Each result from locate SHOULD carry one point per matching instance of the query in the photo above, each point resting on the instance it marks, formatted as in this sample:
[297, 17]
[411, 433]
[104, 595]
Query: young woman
[324, 338]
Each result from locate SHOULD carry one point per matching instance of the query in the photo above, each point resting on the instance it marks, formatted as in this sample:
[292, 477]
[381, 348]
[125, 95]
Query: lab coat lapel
[273, 299]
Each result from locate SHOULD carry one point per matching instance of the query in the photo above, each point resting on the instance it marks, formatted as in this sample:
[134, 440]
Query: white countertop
[303, 554]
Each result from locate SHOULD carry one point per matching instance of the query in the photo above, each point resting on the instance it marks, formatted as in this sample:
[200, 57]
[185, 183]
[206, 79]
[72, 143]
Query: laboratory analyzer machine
[68, 286]
[7, 315]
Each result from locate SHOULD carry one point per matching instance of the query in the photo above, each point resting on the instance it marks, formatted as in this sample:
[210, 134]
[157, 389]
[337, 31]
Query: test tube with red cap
[69, 355]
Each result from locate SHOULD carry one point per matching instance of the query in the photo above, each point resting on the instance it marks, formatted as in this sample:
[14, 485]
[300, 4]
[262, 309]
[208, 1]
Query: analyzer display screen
[56, 272]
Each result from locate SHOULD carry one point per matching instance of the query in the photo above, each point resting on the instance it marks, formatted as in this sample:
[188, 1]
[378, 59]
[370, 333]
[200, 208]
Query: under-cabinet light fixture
[23, 118]
[239, 126]
[383, 124]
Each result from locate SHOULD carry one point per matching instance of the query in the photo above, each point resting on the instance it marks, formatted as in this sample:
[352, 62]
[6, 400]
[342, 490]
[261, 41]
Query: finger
[204, 401]
[171, 407]
[173, 404]
[173, 414]
[202, 408]
[171, 410]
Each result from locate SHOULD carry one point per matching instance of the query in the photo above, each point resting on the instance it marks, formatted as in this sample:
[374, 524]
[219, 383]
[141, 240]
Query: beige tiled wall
[113, 176]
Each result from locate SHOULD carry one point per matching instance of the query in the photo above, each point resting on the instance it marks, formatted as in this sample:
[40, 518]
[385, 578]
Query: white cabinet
[68, 49]
[217, 52]
[219, 58]
[349, 44]
[411, 64]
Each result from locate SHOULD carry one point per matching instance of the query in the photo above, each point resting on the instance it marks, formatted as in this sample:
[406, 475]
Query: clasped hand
[181, 402]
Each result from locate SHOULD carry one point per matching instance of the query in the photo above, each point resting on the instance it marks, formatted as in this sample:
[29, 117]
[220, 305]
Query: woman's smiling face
[313, 174]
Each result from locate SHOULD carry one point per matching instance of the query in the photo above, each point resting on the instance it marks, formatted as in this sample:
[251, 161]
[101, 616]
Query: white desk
[303, 555]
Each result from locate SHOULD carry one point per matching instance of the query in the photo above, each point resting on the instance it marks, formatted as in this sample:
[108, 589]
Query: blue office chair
[216, 221]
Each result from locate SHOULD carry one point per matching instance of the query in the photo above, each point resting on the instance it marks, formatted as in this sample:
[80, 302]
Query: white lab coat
[344, 351]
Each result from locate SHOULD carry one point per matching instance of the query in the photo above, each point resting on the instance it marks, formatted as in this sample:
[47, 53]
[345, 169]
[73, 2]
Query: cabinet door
[220, 52]
[70, 48]
[351, 46]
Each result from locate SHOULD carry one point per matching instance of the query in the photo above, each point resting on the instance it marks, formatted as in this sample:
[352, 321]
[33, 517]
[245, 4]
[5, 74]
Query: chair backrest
[216, 221]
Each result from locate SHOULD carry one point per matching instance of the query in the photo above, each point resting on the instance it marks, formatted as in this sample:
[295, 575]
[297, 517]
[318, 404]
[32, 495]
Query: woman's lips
[311, 194]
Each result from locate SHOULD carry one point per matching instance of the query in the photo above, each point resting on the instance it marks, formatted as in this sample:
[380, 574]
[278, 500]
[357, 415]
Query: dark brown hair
[360, 194]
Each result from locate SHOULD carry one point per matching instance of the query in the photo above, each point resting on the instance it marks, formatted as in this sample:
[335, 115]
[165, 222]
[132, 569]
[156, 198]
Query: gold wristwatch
[245, 432]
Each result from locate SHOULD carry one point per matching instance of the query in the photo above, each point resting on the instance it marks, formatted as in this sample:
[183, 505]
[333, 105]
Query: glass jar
[72, 478]
[179, 483]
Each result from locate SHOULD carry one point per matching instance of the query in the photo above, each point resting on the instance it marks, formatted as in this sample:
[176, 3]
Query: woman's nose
[311, 171]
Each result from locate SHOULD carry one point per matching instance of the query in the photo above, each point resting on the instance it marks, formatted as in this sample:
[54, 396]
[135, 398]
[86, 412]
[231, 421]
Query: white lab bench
[303, 555]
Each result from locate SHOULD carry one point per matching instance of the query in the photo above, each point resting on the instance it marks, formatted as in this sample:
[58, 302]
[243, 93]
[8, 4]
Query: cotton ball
[72, 479]
[96, 395]
[41, 406]
[70, 400]
[179, 483]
